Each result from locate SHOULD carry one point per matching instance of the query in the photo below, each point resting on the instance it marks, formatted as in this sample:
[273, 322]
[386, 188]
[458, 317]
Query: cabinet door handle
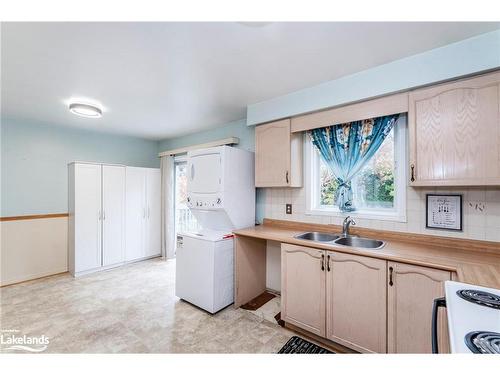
[148, 211]
[103, 215]
[438, 302]
[286, 176]
[412, 167]
[143, 213]
[99, 215]
[328, 262]
[322, 262]
[391, 270]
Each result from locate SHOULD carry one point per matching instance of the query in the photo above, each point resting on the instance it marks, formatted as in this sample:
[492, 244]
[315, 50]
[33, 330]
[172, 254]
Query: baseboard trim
[32, 278]
[112, 266]
[141, 259]
[61, 272]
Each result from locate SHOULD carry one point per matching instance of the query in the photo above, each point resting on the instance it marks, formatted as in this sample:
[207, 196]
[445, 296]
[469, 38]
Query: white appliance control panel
[204, 201]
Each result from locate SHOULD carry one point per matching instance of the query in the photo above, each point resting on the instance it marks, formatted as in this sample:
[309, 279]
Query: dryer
[221, 195]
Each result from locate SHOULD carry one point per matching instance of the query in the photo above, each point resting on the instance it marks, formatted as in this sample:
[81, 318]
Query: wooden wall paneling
[249, 268]
[387, 105]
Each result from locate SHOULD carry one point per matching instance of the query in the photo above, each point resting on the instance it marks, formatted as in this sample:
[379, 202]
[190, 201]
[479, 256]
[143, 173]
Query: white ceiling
[159, 80]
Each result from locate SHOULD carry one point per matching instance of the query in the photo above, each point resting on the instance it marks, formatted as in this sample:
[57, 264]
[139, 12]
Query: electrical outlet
[288, 209]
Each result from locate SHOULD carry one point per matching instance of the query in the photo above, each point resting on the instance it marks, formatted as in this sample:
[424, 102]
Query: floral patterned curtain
[346, 148]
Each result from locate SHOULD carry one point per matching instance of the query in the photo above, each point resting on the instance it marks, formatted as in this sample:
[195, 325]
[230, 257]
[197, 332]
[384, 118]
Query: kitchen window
[379, 189]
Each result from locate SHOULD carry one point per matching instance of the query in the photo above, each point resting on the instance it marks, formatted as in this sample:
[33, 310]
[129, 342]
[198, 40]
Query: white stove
[473, 318]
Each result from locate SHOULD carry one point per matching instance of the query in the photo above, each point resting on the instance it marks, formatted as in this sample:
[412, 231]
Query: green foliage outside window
[374, 186]
[378, 184]
[328, 187]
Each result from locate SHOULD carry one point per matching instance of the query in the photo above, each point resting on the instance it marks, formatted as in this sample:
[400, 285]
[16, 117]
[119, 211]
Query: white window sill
[370, 215]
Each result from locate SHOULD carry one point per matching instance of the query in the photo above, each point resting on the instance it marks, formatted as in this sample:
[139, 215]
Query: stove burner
[480, 297]
[483, 342]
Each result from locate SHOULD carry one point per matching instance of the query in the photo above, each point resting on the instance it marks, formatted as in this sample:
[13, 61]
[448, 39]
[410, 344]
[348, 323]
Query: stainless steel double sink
[338, 239]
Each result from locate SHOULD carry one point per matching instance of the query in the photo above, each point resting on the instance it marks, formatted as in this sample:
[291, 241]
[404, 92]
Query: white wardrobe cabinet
[143, 217]
[136, 213]
[114, 215]
[153, 217]
[96, 216]
[85, 212]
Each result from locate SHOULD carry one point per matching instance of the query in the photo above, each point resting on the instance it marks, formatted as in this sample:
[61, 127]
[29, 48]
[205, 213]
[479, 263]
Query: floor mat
[297, 345]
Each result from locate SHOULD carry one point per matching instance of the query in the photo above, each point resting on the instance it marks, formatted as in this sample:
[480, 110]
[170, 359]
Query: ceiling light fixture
[85, 110]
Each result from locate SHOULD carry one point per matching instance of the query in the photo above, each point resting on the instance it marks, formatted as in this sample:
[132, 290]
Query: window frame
[311, 163]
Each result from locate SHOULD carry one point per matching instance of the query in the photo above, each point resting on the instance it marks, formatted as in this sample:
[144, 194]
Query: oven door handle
[438, 302]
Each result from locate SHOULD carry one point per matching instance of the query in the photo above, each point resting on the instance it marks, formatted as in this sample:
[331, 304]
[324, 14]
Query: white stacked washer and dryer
[221, 195]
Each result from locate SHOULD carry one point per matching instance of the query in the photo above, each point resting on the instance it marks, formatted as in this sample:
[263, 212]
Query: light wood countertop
[474, 262]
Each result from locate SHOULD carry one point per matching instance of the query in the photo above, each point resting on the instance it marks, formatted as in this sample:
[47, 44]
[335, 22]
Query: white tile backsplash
[481, 210]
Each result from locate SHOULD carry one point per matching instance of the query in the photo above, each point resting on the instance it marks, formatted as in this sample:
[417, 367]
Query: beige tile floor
[132, 309]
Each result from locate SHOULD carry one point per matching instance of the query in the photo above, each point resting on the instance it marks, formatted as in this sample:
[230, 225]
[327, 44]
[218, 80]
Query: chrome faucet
[348, 221]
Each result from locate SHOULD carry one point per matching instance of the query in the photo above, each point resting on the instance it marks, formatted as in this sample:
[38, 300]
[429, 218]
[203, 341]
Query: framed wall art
[444, 211]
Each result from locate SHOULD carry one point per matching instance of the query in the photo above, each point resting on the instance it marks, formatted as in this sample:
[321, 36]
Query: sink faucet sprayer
[348, 221]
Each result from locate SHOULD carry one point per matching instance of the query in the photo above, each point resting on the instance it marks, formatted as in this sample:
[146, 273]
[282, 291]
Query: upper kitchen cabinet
[455, 133]
[278, 155]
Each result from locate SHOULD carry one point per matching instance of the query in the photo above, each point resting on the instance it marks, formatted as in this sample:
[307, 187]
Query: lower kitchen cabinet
[356, 302]
[366, 304]
[303, 297]
[411, 292]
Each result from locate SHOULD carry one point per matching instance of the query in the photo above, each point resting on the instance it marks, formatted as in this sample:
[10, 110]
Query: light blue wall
[469, 56]
[232, 129]
[466, 57]
[238, 129]
[35, 157]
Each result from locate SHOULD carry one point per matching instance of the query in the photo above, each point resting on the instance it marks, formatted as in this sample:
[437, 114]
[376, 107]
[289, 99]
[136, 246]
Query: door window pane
[184, 219]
